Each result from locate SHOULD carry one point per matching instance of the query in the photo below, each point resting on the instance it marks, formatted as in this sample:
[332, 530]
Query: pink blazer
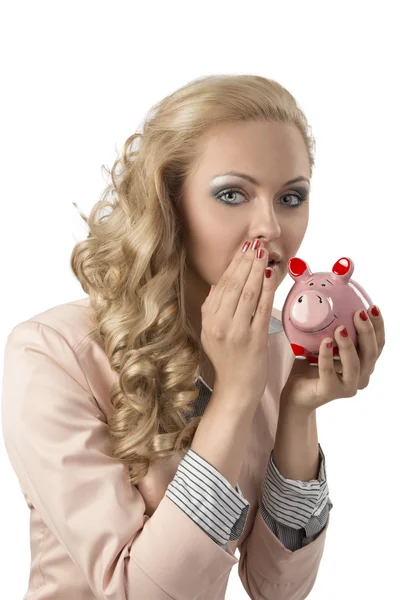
[93, 534]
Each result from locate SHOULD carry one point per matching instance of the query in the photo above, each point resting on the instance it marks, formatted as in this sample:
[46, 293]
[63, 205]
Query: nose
[311, 311]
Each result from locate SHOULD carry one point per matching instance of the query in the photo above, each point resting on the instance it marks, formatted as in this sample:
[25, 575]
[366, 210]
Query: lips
[274, 257]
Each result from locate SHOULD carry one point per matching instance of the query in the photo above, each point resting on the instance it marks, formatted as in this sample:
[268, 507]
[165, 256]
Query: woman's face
[268, 209]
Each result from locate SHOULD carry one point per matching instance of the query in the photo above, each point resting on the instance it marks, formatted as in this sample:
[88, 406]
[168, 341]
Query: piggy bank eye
[323, 284]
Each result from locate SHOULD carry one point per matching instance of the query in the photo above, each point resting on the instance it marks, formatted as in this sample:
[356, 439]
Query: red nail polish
[344, 332]
[329, 344]
[375, 311]
[364, 315]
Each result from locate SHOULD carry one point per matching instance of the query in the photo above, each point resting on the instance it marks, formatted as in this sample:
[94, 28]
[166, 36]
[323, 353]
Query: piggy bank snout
[310, 311]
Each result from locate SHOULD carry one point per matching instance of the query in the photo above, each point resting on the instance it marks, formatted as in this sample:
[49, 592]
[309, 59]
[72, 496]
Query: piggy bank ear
[343, 268]
[298, 269]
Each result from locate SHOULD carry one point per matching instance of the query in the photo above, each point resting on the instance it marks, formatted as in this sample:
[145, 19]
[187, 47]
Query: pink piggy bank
[318, 303]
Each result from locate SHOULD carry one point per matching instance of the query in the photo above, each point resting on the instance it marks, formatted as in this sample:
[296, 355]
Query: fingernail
[364, 315]
[344, 332]
[329, 344]
[375, 311]
[268, 273]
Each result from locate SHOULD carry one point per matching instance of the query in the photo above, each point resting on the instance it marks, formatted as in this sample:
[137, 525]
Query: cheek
[209, 253]
[208, 234]
[290, 240]
[293, 230]
[205, 242]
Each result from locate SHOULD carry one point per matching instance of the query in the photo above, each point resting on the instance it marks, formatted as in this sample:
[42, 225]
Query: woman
[155, 428]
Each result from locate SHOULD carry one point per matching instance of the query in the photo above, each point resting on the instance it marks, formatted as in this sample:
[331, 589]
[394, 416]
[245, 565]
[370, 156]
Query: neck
[196, 291]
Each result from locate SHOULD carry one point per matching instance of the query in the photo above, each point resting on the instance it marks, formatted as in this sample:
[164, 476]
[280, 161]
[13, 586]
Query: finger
[379, 327]
[329, 379]
[232, 292]
[250, 293]
[367, 343]
[350, 362]
[214, 298]
[264, 307]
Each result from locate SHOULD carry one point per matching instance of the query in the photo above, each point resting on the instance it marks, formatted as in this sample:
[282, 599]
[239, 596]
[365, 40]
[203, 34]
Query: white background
[78, 78]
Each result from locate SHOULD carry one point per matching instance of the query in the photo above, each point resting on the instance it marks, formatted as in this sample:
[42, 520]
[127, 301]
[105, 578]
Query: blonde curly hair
[132, 263]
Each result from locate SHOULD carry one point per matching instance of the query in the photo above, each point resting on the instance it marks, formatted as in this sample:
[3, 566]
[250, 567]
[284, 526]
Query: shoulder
[60, 347]
[62, 337]
[54, 364]
[71, 320]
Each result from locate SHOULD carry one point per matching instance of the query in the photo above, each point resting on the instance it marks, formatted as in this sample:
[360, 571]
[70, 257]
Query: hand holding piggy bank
[318, 303]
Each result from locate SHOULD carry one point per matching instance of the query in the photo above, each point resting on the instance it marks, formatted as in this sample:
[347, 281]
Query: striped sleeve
[296, 511]
[208, 498]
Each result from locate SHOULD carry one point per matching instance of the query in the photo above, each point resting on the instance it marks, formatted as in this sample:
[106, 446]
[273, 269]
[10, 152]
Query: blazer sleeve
[296, 511]
[299, 508]
[267, 568]
[56, 437]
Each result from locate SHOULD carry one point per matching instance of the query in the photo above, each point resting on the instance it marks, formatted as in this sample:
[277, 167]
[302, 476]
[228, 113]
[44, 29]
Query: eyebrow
[255, 182]
[312, 280]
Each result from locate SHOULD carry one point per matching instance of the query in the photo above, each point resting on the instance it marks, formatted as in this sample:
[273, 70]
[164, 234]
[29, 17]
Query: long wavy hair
[132, 263]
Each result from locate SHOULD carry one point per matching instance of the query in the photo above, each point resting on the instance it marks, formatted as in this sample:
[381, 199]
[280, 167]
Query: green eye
[300, 196]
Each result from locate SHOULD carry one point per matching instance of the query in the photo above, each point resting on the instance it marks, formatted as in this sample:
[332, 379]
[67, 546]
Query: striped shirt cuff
[294, 539]
[208, 498]
[296, 503]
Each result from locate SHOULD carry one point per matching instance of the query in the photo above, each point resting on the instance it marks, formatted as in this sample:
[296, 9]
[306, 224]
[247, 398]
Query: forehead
[271, 152]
